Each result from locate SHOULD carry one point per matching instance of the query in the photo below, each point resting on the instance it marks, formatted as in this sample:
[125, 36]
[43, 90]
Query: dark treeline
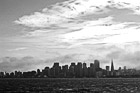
[79, 70]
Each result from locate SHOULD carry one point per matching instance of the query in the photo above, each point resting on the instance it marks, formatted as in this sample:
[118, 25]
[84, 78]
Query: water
[42, 85]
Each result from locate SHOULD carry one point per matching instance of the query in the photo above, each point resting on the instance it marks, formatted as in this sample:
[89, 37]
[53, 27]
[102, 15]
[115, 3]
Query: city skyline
[36, 33]
[75, 70]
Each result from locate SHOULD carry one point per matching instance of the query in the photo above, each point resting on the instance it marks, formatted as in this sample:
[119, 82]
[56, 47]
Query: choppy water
[69, 85]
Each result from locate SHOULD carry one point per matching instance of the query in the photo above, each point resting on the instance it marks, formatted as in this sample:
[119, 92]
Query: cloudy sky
[36, 33]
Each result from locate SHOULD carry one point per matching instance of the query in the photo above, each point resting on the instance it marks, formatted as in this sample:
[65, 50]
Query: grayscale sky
[36, 33]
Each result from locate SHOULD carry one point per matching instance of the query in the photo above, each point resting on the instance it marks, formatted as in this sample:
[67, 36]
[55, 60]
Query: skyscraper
[57, 69]
[72, 70]
[112, 66]
[92, 70]
[85, 70]
[96, 65]
[79, 70]
[65, 71]
[107, 68]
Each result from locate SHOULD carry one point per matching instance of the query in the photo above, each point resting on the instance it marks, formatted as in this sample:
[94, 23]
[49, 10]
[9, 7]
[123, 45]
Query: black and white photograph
[69, 46]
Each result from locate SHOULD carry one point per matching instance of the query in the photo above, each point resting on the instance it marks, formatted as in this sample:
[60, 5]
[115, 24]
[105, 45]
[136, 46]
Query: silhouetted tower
[57, 69]
[96, 65]
[85, 70]
[79, 70]
[92, 70]
[72, 70]
[65, 70]
[107, 68]
[112, 66]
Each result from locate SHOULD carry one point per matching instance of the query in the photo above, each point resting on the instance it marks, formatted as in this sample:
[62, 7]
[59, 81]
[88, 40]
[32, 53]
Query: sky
[37, 33]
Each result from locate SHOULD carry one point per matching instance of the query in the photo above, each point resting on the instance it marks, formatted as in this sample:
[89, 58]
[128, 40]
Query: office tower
[120, 69]
[124, 68]
[96, 65]
[57, 69]
[85, 70]
[56, 65]
[2, 74]
[52, 72]
[79, 70]
[112, 66]
[38, 72]
[107, 68]
[46, 72]
[65, 71]
[92, 70]
[72, 70]
[72, 64]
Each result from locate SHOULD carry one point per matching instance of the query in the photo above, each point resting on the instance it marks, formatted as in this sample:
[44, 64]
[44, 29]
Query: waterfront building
[72, 70]
[57, 69]
[79, 70]
[97, 65]
[107, 68]
[92, 71]
[85, 70]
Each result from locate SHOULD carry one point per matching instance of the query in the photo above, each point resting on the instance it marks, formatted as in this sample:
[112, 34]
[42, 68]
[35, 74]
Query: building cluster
[79, 70]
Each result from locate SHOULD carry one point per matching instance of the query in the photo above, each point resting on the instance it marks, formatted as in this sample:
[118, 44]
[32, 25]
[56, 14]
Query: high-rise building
[72, 64]
[113, 72]
[107, 68]
[92, 70]
[57, 69]
[96, 65]
[65, 71]
[85, 70]
[79, 70]
[72, 70]
[112, 66]
[46, 72]
[124, 68]
[38, 72]
[120, 69]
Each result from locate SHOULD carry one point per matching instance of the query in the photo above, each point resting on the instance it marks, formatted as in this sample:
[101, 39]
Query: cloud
[83, 24]
[77, 57]
[64, 12]
[80, 22]
[27, 63]
[18, 49]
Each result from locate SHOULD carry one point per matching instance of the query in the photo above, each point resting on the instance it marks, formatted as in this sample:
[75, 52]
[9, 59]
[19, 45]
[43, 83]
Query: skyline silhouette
[76, 70]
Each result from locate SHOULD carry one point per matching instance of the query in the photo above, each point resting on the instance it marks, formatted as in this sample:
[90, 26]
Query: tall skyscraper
[107, 68]
[96, 65]
[79, 70]
[65, 70]
[112, 66]
[92, 70]
[57, 69]
[72, 70]
[85, 70]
